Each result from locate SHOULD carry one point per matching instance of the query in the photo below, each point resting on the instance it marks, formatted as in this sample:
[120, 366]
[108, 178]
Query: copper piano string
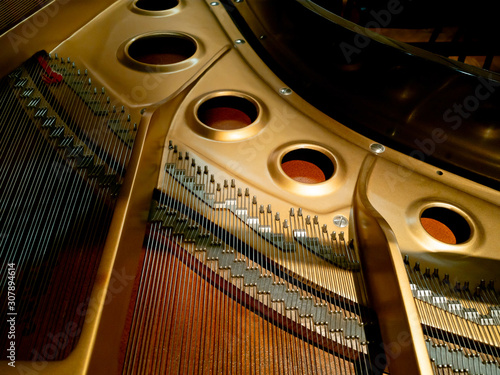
[97, 212]
[186, 287]
[142, 295]
[304, 271]
[84, 204]
[48, 230]
[440, 337]
[435, 314]
[483, 332]
[15, 144]
[11, 249]
[194, 289]
[463, 327]
[429, 313]
[206, 226]
[180, 273]
[30, 173]
[229, 193]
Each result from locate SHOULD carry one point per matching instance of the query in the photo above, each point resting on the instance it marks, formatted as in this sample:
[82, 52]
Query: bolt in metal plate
[340, 221]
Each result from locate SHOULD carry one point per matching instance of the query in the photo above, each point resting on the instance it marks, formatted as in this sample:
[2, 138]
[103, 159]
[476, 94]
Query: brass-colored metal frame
[252, 157]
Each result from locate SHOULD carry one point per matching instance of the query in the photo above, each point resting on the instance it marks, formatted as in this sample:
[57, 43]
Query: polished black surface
[431, 108]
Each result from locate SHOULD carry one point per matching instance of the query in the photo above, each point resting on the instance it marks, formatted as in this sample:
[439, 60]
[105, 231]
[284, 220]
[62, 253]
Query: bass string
[87, 207]
[20, 179]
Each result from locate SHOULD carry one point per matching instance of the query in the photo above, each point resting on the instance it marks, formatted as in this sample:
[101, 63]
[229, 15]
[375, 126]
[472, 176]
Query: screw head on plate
[340, 221]
[377, 148]
[285, 91]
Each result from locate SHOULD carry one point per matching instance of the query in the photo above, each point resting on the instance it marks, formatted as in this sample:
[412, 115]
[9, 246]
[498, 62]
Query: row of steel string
[154, 325]
[46, 230]
[484, 333]
[488, 333]
[66, 207]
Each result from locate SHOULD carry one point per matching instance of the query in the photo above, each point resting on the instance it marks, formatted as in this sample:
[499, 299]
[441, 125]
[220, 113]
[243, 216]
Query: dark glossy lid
[437, 110]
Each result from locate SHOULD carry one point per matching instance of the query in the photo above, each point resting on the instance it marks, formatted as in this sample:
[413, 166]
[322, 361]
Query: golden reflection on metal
[383, 267]
[389, 195]
[325, 188]
[228, 135]
[125, 58]
[157, 13]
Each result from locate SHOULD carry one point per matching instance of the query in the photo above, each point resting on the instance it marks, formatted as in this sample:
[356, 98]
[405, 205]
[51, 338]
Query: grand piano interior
[249, 186]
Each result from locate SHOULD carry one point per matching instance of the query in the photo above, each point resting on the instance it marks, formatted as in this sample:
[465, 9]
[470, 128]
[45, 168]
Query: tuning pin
[491, 285]
[247, 193]
[212, 179]
[465, 288]
[406, 260]
[233, 183]
[205, 171]
[427, 272]
[218, 187]
[254, 200]
[446, 279]
[187, 156]
[292, 212]
[341, 236]
[315, 220]
[436, 273]
[226, 184]
[482, 284]
[269, 210]
[299, 211]
[239, 192]
[308, 220]
[351, 244]
[193, 163]
[180, 155]
[198, 170]
[417, 267]
[477, 293]
[175, 149]
[324, 228]
[261, 209]
[457, 286]
[285, 224]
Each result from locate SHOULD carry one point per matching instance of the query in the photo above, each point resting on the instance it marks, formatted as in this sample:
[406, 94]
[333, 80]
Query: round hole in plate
[162, 49]
[227, 112]
[307, 166]
[445, 225]
[156, 5]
